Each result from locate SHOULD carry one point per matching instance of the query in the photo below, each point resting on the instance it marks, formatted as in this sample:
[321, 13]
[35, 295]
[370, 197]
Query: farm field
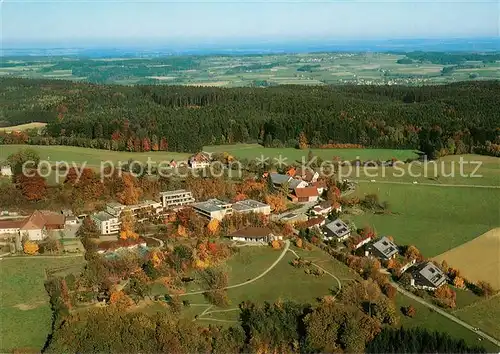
[478, 259]
[249, 70]
[483, 314]
[435, 219]
[24, 305]
[433, 321]
[93, 157]
[21, 127]
[253, 151]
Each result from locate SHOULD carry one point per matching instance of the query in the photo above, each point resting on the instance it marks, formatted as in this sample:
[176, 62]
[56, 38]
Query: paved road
[287, 246]
[445, 314]
[429, 184]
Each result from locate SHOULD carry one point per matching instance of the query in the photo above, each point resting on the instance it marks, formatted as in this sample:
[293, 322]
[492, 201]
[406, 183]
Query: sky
[163, 20]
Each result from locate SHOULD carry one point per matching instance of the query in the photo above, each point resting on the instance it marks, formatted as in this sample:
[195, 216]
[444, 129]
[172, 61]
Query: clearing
[433, 218]
[24, 304]
[478, 259]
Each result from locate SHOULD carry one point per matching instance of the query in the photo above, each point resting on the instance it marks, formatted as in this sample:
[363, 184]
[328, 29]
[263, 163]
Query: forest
[438, 120]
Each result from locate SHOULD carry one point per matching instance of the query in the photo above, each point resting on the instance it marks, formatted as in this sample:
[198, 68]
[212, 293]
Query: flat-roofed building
[251, 206]
[336, 230]
[106, 223]
[175, 198]
[213, 209]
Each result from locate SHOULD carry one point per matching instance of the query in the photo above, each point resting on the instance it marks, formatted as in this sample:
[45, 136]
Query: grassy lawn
[433, 321]
[252, 151]
[283, 282]
[484, 314]
[24, 309]
[432, 218]
[35, 125]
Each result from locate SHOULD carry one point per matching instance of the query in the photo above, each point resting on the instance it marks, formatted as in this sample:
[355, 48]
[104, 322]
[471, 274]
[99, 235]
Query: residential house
[176, 198]
[297, 184]
[384, 249]
[251, 206]
[262, 235]
[322, 209]
[427, 276]
[361, 241]
[336, 230]
[71, 220]
[307, 194]
[315, 222]
[200, 160]
[306, 174]
[213, 209]
[320, 185]
[279, 180]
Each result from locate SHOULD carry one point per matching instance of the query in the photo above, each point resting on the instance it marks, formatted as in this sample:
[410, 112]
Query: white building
[6, 171]
[108, 221]
[336, 230]
[213, 209]
[175, 198]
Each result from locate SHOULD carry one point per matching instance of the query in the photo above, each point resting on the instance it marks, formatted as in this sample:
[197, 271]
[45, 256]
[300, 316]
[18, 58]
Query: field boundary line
[430, 184]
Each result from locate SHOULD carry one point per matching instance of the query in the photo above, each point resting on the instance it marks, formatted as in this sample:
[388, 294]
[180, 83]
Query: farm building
[307, 194]
[427, 276]
[35, 226]
[254, 234]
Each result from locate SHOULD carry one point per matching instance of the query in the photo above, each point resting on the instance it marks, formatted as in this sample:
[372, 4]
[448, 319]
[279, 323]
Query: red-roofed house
[307, 194]
[34, 226]
[315, 222]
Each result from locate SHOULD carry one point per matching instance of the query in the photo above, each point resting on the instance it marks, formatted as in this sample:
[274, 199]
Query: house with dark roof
[262, 235]
[306, 174]
[384, 249]
[336, 230]
[323, 208]
[427, 276]
[306, 194]
[278, 179]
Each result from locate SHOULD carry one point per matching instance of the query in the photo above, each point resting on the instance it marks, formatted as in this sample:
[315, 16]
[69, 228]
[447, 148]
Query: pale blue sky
[203, 20]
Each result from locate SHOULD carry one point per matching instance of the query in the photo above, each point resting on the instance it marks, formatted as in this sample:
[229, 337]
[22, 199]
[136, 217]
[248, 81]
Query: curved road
[445, 314]
[287, 245]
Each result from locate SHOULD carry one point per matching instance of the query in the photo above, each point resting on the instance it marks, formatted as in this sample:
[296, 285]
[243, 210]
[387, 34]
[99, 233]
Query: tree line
[438, 120]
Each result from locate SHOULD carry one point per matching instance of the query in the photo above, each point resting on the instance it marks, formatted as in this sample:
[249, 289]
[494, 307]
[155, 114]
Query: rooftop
[178, 191]
[386, 247]
[306, 192]
[103, 216]
[252, 232]
[338, 228]
[277, 178]
[248, 204]
[211, 205]
[432, 273]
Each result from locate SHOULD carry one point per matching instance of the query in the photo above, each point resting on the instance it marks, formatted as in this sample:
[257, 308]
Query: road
[285, 249]
[429, 184]
[445, 314]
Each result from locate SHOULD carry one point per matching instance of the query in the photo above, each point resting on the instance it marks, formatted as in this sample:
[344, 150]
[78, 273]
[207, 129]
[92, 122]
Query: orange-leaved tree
[127, 228]
[30, 247]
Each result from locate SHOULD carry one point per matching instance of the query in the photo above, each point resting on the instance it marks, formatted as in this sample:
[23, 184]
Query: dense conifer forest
[438, 120]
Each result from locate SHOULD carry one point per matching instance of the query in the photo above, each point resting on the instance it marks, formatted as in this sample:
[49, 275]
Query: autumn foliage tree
[127, 228]
[409, 311]
[213, 227]
[445, 296]
[412, 253]
[303, 143]
[277, 203]
[130, 192]
[32, 185]
[30, 247]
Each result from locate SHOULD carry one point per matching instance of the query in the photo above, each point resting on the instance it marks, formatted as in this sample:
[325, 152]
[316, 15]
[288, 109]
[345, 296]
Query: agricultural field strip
[429, 184]
[446, 314]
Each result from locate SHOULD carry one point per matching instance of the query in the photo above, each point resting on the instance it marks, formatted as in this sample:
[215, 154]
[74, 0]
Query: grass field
[483, 314]
[433, 321]
[93, 157]
[35, 125]
[24, 308]
[253, 151]
[478, 259]
[435, 219]
[283, 282]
